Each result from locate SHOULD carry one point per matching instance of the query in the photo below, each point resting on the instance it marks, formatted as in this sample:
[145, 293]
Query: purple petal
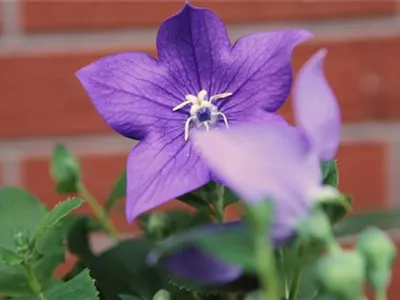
[194, 264]
[133, 93]
[252, 157]
[260, 74]
[273, 160]
[259, 117]
[202, 267]
[316, 108]
[193, 45]
[160, 168]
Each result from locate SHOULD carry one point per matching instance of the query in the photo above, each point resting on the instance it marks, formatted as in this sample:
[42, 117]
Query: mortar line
[393, 174]
[113, 143]
[10, 14]
[11, 172]
[145, 37]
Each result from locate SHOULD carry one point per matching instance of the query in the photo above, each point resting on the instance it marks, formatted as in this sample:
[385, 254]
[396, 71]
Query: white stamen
[224, 117]
[179, 106]
[191, 98]
[187, 126]
[201, 96]
[219, 96]
[201, 102]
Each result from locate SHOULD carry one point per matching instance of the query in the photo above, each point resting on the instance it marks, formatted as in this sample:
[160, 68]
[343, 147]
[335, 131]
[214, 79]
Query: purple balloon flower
[316, 109]
[200, 81]
[273, 161]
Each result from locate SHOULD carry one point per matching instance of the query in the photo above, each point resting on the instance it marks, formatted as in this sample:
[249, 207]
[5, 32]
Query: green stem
[32, 280]
[196, 296]
[219, 204]
[332, 245]
[266, 265]
[294, 288]
[380, 295]
[99, 212]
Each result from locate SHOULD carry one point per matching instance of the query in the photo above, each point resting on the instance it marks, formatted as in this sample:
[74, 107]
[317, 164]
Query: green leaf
[205, 196]
[9, 257]
[162, 295]
[330, 173]
[337, 208]
[80, 287]
[21, 212]
[118, 192]
[58, 213]
[308, 287]
[233, 246]
[78, 237]
[230, 197]
[194, 199]
[130, 297]
[355, 223]
[299, 256]
[231, 243]
[65, 170]
[163, 224]
[123, 269]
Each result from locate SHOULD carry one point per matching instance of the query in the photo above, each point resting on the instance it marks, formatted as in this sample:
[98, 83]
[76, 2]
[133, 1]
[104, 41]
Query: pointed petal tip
[316, 61]
[129, 213]
[84, 72]
[303, 35]
[80, 74]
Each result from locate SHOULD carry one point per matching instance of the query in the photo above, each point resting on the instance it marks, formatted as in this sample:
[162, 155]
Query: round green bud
[379, 253]
[162, 295]
[157, 224]
[342, 273]
[377, 248]
[21, 242]
[317, 228]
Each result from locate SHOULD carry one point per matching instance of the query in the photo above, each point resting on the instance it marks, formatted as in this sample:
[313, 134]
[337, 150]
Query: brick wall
[43, 43]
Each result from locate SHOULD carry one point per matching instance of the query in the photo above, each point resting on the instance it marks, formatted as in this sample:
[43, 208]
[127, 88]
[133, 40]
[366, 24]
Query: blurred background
[43, 43]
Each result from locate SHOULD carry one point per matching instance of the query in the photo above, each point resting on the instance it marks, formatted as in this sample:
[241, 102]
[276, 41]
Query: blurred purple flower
[273, 161]
[316, 108]
[199, 81]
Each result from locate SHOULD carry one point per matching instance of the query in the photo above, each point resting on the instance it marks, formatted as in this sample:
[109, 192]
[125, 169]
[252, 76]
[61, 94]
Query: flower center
[202, 111]
[204, 115]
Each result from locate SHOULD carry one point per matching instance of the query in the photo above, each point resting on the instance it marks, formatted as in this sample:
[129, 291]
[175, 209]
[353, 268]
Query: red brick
[362, 74]
[46, 88]
[90, 15]
[42, 89]
[362, 173]
[1, 21]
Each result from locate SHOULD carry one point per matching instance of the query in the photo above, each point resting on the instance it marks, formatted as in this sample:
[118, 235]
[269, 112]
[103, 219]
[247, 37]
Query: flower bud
[343, 274]
[379, 253]
[376, 247]
[317, 228]
[162, 295]
[21, 242]
[157, 224]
